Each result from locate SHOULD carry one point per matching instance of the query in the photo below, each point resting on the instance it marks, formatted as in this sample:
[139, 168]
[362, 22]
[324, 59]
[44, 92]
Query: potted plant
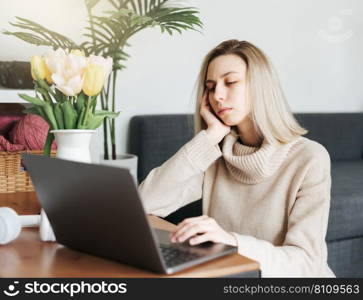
[66, 85]
[107, 35]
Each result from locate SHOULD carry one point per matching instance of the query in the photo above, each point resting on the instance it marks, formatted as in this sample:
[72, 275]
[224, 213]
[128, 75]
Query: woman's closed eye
[212, 88]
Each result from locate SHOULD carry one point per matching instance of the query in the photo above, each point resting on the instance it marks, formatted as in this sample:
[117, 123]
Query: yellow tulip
[48, 75]
[38, 68]
[94, 78]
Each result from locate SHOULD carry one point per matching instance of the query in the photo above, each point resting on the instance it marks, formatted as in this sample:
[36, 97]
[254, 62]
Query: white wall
[316, 46]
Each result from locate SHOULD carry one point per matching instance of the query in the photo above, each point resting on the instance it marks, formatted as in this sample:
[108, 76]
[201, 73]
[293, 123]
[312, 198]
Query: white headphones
[11, 224]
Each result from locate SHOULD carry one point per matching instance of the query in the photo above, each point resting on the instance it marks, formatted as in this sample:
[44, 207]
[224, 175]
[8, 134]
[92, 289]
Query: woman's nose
[219, 95]
[219, 100]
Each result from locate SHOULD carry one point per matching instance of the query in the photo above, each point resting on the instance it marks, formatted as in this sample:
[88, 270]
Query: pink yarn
[5, 145]
[7, 122]
[31, 131]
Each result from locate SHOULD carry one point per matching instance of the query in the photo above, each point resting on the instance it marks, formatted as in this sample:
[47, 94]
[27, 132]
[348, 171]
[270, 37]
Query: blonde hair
[270, 113]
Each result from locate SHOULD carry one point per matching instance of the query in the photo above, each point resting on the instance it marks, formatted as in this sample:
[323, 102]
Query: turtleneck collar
[252, 165]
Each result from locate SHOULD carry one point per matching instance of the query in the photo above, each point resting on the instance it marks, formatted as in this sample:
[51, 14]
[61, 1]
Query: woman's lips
[224, 110]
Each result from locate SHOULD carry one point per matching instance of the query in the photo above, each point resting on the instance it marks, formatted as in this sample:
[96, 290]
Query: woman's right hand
[216, 129]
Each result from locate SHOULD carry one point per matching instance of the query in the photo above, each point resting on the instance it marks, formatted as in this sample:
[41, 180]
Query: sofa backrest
[155, 138]
[340, 133]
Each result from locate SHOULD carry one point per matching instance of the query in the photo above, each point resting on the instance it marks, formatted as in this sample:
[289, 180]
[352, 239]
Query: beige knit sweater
[274, 199]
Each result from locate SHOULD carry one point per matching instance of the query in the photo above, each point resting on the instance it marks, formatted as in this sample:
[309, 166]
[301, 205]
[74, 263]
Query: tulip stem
[105, 131]
[48, 144]
[44, 85]
[106, 124]
[85, 117]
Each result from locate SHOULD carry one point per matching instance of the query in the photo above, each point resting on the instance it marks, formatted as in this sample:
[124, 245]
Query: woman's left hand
[202, 229]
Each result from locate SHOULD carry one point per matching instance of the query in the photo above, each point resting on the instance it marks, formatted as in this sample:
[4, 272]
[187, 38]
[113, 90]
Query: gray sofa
[155, 138]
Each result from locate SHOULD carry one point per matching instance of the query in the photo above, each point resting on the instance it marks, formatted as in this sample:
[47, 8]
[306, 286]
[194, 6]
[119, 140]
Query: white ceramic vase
[127, 161]
[72, 144]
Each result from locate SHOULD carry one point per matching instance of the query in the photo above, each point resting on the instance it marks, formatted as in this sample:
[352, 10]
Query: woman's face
[226, 86]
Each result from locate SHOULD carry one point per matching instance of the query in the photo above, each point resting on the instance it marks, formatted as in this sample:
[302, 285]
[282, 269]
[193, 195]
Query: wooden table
[27, 256]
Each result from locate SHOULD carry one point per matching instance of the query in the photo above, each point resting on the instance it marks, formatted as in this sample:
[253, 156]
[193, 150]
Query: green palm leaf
[100, 34]
[135, 15]
[91, 3]
[40, 35]
[119, 4]
[31, 38]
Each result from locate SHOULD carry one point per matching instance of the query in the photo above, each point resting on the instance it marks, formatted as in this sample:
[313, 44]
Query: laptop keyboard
[175, 256]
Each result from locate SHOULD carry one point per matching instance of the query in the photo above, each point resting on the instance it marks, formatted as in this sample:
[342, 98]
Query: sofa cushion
[345, 257]
[155, 138]
[346, 211]
[340, 133]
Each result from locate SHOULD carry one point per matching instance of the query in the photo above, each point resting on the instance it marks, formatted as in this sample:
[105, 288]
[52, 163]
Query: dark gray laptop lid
[71, 192]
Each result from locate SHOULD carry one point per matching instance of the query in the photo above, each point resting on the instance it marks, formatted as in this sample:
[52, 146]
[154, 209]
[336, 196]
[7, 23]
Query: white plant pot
[127, 161]
[72, 144]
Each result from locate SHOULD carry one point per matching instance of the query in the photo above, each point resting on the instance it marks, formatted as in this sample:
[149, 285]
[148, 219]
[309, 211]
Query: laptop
[97, 209]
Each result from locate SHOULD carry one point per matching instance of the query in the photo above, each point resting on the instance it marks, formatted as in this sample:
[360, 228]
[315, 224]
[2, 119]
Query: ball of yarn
[31, 131]
[5, 145]
[7, 122]
[10, 113]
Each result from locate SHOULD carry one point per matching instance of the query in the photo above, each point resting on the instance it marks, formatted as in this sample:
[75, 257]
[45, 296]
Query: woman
[265, 187]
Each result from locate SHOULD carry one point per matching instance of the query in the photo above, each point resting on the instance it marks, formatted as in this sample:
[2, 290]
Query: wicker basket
[13, 177]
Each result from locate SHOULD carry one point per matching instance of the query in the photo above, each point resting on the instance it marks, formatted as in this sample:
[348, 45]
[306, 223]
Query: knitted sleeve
[304, 251]
[179, 180]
